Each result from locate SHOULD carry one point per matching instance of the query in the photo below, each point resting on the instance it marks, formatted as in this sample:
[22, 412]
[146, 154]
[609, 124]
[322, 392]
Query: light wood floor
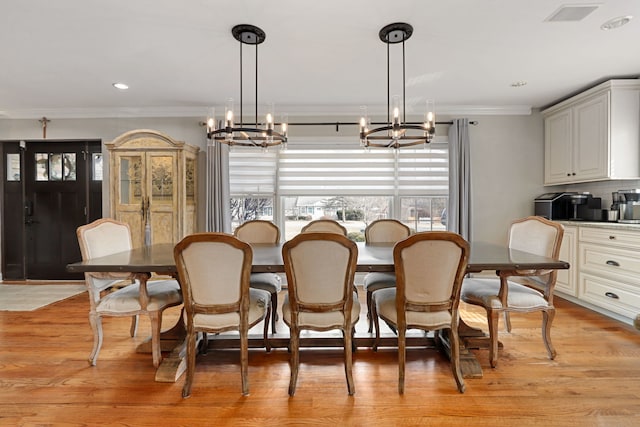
[45, 379]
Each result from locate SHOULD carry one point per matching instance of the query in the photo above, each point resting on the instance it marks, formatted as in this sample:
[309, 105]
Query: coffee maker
[630, 207]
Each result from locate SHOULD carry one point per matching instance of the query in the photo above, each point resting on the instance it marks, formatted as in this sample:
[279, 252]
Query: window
[324, 180]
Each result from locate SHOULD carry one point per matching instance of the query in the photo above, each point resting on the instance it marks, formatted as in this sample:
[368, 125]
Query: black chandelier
[397, 133]
[261, 134]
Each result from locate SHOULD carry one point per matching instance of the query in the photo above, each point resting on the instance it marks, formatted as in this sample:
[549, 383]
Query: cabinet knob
[612, 237]
[574, 174]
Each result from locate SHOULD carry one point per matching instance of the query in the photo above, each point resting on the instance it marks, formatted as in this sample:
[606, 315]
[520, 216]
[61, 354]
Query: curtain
[459, 208]
[218, 212]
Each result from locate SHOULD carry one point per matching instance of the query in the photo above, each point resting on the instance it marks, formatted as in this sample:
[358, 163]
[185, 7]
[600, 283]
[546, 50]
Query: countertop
[602, 224]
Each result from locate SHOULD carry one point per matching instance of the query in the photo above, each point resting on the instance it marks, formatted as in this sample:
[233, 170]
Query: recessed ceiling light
[614, 23]
[519, 83]
[120, 86]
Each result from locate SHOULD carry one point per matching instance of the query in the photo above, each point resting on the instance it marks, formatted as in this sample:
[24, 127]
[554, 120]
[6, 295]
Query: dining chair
[382, 231]
[256, 232]
[105, 237]
[214, 271]
[324, 226]
[429, 269]
[528, 291]
[320, 270]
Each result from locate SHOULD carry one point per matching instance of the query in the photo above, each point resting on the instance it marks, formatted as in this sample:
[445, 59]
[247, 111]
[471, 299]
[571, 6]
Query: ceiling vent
[572, 13]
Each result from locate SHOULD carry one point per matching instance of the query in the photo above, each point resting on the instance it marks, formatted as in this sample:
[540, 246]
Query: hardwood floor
[45, 378]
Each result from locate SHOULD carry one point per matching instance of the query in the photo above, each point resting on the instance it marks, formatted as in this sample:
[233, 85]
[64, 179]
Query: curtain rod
[338, 124]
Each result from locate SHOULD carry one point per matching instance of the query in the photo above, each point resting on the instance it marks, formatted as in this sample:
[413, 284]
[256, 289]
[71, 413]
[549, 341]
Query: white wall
[507, 157]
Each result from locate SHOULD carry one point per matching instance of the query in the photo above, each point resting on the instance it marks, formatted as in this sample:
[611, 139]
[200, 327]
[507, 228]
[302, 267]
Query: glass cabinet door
[130, 185]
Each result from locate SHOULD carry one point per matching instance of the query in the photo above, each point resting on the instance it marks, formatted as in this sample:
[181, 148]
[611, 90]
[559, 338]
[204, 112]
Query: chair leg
[244, 361]
[369, 310]
[492, 317]
[294, 360]
[507, 321]
[156, 325]
[547, 320]
[402, 356]
[191, 363]
[274, 311]
[265, 332]
[134, 326]
[348, 361]
[454, 339]
[376, 323]
[96, 325]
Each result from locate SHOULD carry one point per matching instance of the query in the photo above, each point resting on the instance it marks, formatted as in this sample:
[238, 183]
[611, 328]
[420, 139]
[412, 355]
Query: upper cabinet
[153, 186]
[594, 136]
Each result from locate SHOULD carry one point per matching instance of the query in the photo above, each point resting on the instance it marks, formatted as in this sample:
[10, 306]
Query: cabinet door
[566, 279]
[591, 138]
[130, 192]
[558, 148]
[164, 215]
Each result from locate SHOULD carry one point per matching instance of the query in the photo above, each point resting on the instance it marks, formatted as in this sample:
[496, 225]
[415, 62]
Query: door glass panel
[42, 166]
[191, 180]
[96, 166]
[55, 167]
[13, 167]
[162, 179]
[70, 166]
[130, 180]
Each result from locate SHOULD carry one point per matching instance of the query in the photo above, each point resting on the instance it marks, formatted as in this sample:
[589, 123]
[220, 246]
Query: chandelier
[397, 132]
[249, 135]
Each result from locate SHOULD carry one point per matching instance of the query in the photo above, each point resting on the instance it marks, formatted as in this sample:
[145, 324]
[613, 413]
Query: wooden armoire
[153, 186]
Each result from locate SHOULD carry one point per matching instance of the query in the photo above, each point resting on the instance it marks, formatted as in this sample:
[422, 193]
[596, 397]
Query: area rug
[33, 297]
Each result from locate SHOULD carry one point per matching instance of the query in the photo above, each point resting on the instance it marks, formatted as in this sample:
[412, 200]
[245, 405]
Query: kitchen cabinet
[153, 186]
[609, 264]
[566, 279]
[595, 135]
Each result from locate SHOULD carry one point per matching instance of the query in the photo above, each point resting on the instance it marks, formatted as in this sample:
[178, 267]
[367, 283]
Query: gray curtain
[218, 213]
[459, 208]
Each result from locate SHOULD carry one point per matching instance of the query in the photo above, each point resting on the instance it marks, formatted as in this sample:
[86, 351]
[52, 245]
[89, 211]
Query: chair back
[386, 231]
[214, 270]
[429, 268]
[100, 238]
[320, 270]
[324, 226]
[536, 235]
[258, 231]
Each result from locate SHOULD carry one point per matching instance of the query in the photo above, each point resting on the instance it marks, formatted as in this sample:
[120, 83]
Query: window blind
[252, 172]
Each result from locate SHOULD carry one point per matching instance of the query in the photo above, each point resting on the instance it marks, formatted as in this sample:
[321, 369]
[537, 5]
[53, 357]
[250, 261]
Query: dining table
[157, 259]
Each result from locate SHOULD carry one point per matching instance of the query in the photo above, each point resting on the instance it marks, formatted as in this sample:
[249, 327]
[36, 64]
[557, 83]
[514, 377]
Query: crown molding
[291, 110]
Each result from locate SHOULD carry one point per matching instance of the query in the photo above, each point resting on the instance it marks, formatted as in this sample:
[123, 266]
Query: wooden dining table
[158, 259]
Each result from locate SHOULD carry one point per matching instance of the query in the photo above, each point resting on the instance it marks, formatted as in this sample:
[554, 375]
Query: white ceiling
[59, 58]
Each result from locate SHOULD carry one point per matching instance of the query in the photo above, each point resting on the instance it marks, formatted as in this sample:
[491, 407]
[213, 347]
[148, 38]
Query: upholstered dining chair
[429, 269]
[534, 292]
[255, 232]
[320, 270]
[382, 231]
[105, 237]
[214, 270]
[324, 226]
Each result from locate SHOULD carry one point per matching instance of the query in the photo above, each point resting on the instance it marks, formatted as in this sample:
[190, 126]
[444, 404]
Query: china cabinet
[153, 186]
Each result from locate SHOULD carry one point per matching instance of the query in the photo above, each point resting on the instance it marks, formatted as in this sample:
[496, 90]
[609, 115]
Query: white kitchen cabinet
[609, 269]
[595, 135]
[566, 279]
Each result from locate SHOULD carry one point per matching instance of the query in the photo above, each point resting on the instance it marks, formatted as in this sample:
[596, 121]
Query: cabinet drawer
[617, 263]
[609, 236]
[611, 295]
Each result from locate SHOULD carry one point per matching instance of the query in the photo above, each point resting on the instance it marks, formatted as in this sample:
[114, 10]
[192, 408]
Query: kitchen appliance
[630, 207]
[585, 207]
[553, 205]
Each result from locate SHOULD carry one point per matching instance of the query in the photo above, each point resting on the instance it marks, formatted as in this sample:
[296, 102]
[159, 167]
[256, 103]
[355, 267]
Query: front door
[55, 187]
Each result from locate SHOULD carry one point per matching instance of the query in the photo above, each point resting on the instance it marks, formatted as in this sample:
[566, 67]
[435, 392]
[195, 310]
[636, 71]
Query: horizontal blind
[252, 172]
[424, 171]
[332, 172]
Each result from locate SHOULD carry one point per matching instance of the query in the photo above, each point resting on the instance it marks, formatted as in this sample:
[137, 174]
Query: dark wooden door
[61, 189]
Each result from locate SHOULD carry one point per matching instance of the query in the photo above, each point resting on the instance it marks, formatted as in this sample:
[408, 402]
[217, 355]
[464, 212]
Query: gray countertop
[602, 224]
